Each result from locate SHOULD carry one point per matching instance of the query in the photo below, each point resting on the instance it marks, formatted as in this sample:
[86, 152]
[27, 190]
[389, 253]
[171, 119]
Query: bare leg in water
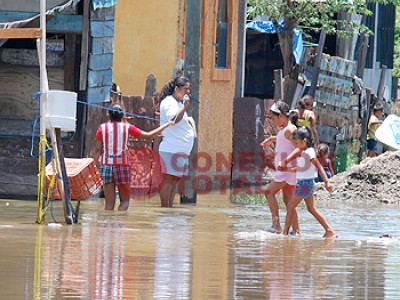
[168, 190]
[287, 194]
[272, 189]
[124, 194]
[109, 194]
[329, 233]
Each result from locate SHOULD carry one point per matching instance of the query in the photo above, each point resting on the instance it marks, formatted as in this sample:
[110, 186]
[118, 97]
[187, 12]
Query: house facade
[91, 44]
[151, 39]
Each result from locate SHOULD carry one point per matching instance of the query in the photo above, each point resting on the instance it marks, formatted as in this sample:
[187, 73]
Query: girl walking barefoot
[306, 171]
[281, 180]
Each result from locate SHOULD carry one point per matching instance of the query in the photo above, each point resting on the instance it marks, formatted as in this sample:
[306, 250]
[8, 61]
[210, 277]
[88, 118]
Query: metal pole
[43, 75]
[43, 101]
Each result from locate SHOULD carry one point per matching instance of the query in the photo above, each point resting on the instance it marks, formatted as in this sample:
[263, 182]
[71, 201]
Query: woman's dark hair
[169, 88]
[378, 106]
[115, 90]
[116, 113]
[282, 107]
[303, 133]
[115, 87]
[307, 100]
[294, 117]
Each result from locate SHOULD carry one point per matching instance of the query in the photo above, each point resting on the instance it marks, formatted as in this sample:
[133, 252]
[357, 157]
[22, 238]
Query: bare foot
[329, 234]
[295, 231]
[273, 229]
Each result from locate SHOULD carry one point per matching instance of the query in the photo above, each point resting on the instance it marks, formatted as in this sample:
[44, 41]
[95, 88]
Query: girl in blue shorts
[307, 169]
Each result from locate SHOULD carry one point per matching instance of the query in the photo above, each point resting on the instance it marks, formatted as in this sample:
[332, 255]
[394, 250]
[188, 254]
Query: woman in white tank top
[281, 180]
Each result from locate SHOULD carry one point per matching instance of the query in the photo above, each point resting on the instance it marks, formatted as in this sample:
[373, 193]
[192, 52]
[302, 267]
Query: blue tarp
[269, 27]
[103, 3]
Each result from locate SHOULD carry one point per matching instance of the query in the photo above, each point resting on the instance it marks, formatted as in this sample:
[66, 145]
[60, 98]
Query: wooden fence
[143, 112]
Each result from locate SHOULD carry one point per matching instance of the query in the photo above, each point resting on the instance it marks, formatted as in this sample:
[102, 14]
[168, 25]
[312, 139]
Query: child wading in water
[306, 171]
[281, 180]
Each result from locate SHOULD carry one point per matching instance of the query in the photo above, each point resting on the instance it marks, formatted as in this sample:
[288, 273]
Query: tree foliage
[315, 14]
[310, 15]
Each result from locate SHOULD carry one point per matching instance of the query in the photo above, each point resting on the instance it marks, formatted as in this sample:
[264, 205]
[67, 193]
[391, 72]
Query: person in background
[281, 180]
[115, 93]
[294, 117]
[373, 123]
[177, 141]
[307, 116]
[306, 171]
[326, 163]
[112, 147]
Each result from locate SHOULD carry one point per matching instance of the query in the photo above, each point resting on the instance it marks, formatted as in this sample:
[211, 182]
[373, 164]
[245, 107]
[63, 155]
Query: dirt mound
[374, 179]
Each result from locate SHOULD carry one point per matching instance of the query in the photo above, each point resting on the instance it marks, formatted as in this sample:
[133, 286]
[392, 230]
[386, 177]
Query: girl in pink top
[282, 179]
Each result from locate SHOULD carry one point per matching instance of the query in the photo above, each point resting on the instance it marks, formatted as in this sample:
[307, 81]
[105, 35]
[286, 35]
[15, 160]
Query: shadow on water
[213, 250]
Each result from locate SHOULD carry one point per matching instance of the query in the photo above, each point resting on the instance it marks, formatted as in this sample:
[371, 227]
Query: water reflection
[110, 262]
[303, 269]
[99, 262]
[197, 252]
[172, 257]
[79, 260]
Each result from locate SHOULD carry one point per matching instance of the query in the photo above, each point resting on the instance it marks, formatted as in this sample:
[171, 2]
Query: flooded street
[214, 250]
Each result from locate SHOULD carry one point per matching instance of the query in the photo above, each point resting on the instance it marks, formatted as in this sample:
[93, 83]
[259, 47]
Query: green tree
[313, 14]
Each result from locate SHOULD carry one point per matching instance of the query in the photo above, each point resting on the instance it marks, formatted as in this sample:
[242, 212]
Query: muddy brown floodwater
[213, 250]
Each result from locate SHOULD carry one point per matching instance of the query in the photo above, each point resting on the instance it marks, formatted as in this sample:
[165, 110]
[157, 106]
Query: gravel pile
[374, 179]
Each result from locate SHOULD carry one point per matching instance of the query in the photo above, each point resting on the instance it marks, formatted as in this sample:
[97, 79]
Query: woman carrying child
[306, 171]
